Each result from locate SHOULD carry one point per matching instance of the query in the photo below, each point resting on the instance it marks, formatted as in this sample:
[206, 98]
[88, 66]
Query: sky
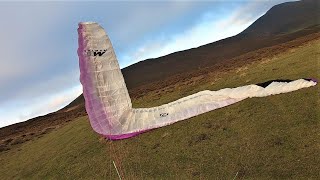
[39, 70]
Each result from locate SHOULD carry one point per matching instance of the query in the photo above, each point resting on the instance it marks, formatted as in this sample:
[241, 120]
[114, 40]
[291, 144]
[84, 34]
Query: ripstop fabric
[108, 103]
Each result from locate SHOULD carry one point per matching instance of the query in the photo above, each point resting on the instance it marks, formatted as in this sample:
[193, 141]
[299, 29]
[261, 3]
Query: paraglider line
[114, 164]
[235, 176]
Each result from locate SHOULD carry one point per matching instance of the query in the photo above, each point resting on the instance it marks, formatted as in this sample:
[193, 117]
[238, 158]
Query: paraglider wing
[108, 103]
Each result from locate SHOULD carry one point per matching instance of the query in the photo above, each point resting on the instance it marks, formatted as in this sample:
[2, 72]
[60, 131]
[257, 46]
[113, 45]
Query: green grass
[275, 137]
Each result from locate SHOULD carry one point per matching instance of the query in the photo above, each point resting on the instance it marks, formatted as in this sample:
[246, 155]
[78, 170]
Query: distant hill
[286, 18]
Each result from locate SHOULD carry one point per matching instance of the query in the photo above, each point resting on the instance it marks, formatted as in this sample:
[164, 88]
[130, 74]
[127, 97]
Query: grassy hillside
[275, 137]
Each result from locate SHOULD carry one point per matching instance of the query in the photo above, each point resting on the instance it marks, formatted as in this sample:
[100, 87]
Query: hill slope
[286, 18]
[260, 138]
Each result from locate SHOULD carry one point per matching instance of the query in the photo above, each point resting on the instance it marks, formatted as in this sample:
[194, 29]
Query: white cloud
[37, 106]
[28, 81]
[54, 103]
[26, 53]
[21, 37]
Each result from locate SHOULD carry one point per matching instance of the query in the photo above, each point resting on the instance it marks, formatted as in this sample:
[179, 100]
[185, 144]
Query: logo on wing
[164, 114]
[94, 53]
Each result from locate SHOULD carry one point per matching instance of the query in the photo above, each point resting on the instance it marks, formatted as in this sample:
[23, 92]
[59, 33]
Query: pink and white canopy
[108, 103]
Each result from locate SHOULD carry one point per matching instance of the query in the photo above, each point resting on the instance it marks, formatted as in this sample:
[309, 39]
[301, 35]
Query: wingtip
[312, 79]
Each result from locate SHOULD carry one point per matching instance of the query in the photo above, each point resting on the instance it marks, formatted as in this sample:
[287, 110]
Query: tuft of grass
[275, 137]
